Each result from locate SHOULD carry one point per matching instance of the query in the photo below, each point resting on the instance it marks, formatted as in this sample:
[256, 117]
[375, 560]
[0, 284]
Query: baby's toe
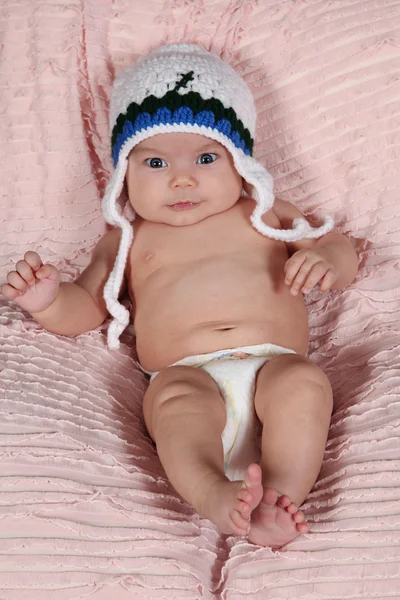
[270, 497]
[284, 501]
[253, 475]
[243, 508]
[298, 517]
[302, 527]
[239, 519]
[245, 495]
[292, 508]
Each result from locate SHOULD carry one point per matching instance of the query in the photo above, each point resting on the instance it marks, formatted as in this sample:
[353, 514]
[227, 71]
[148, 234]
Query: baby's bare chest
[222, 246]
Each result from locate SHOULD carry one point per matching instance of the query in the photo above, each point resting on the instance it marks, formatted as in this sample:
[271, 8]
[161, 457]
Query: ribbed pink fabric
[85, 508]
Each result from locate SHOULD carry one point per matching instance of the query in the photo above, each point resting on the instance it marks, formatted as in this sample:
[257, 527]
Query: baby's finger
[301, 277]
[292, 267]
[15, 279]
[328, 281]
[10, 292]
[316, 274]
[48, 271]
[25, 271]
[33, 259]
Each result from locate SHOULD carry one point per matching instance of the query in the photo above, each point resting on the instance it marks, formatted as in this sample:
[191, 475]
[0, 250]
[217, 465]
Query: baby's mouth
[183, 205]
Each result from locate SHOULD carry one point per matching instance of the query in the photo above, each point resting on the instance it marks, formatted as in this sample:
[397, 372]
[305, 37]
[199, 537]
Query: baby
[216, 276]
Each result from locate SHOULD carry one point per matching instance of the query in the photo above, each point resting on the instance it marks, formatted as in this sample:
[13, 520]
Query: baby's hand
[307, 267]
[33, 285]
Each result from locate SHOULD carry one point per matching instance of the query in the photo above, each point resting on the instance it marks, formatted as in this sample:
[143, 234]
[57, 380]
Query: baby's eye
[155, 163]
[207, 158]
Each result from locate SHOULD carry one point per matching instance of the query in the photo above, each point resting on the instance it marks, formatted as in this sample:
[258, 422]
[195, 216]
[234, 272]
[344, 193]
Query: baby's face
[181, 178]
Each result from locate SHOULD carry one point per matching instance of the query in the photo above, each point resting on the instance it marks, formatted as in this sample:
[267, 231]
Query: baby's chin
[185, 217]
[180, 217]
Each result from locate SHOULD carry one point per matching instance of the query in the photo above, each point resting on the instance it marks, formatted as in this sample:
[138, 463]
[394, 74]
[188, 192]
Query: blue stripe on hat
[181, 116]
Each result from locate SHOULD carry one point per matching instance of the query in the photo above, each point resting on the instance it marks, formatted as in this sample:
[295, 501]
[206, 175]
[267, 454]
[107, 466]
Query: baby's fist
[308, 267]
[33, 285]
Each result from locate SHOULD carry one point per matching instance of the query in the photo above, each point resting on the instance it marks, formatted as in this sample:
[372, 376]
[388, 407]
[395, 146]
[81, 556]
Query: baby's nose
[183, 179]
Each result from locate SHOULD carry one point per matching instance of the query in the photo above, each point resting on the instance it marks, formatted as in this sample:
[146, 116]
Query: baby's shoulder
[286, 212]
[246, 206]
[109, 243]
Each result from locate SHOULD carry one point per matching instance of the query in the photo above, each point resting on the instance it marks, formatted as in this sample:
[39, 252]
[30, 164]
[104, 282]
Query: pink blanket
[85, 507]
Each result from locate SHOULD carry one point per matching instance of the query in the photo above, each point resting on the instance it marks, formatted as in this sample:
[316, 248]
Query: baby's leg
[293, 401]
[185, 416]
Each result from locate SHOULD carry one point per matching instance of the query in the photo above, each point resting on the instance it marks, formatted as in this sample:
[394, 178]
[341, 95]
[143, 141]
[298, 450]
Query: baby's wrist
[48, 311]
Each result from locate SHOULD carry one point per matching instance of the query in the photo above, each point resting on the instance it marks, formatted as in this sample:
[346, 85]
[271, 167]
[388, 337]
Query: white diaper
[234, 371]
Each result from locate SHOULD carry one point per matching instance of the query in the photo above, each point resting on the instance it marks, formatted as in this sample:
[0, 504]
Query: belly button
[148, 256]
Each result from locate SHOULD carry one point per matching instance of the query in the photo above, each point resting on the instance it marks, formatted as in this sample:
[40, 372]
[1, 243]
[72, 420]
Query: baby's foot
[276, 521]
[229, 504]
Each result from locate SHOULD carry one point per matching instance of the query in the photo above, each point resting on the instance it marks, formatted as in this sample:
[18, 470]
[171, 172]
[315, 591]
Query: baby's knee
[179, 391]
[303, 374]
[302, 367]
[300, 374]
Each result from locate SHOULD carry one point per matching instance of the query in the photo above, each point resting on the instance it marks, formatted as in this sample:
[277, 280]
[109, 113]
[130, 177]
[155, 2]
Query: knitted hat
[181, 87]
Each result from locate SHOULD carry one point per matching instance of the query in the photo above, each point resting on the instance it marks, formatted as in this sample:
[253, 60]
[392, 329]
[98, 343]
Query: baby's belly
[183, 312]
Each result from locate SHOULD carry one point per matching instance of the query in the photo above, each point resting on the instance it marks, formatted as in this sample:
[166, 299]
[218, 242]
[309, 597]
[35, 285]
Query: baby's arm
[329, 261]
[64, 308]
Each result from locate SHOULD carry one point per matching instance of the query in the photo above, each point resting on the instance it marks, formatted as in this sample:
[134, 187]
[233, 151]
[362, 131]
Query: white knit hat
[182, 87]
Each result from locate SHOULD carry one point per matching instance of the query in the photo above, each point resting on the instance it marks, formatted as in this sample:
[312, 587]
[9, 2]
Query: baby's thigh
[182, 390]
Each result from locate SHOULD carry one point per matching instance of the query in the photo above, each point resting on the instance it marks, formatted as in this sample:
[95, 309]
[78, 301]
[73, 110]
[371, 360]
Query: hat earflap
[262, 182]
[113, 215]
